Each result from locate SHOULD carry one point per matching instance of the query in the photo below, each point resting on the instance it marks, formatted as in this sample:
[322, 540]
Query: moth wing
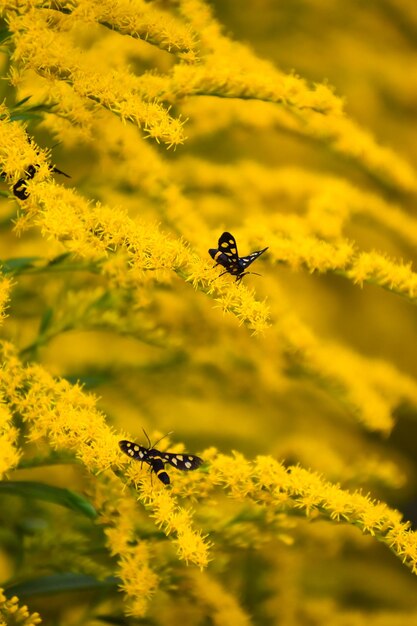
[125, 446]
[135, 451]
[245, 261]
[185, 462]
[228, 246]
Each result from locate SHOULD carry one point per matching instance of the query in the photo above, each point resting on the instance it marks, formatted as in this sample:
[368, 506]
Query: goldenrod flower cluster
[11, 614]
[132, 135]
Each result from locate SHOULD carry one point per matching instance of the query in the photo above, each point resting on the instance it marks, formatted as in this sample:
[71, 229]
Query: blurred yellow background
[338, 356]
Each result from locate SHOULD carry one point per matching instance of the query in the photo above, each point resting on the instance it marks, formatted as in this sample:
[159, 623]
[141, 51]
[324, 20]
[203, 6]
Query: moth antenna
[146, 435]
[159, 440]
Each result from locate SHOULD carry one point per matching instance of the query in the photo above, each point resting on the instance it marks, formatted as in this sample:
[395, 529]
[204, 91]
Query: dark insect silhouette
[156, 459]
[20, 187]
[227, 256]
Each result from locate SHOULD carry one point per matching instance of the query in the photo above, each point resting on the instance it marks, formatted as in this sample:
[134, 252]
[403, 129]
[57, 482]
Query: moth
[20, 188]
[156, 459]
[228, 257]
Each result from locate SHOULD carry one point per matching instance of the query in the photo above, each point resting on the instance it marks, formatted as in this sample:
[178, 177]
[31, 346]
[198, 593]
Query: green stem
[42, 340]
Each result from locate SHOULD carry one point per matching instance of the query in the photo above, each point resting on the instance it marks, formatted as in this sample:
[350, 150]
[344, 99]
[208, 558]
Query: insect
[156, 459]
[20, 188]
[227, 256]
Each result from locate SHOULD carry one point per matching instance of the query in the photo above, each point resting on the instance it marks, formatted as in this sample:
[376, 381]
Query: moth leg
[220, 275]
[239, 278]
[151, 471]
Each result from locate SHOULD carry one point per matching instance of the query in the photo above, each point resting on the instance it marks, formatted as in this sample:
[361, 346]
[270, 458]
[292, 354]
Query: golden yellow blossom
[5, 288]
[220, 605]
[12, 614]
[8, 439]
[59, 61]
[173, 519]
[296, 488]
[297, 385]
[341, 258]
[59, 411]
[139, 19]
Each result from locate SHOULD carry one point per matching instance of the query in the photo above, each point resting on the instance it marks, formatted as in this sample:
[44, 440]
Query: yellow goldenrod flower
[222, 607]
[115, 92]
[341, 134]
[113, 317]
[12, 614]
[325, 204]
[296, 488]
[173, 519]
[5, 288]
[298, 250]
[139, 19]
[59, 411]
[139, 582]
[372, 387]
[9, 456]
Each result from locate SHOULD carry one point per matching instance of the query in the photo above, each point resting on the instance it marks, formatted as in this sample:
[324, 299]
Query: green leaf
[57, 583]
[10, 266]
[90, 381]
[122, 620]
[49, 493]
[59, 259]
[19, 117]
[41, 106]
[22, 101]
[31, 112]
[4, 34]
[46, 321]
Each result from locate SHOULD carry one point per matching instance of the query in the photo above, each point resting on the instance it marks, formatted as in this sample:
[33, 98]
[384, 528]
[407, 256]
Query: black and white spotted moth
[156, 459]
[227, 256]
